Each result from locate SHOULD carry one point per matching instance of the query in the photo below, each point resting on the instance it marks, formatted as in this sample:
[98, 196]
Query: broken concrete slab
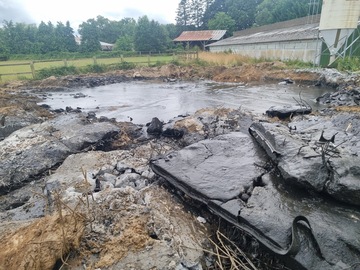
[32, 150]
[320, 153]
[290, 223]
[234, 162]
[283, 112]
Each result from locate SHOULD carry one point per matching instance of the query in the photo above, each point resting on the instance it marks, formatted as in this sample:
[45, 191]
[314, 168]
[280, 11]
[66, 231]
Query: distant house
[104, 46]
[200, 38]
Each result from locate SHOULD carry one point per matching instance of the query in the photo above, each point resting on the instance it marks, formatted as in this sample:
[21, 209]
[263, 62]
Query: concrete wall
[305, 50]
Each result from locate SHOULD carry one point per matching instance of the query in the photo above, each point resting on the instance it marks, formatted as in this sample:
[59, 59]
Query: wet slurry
[140, 101]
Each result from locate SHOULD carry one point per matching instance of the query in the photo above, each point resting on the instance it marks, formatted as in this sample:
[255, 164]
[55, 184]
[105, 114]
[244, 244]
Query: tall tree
[65, 39]
[89, 36]
[4, 50]
[125, 40]
[198, 8]
[183, 17]
[242, 11]
[222, 21]
[271, 11]
[150, 36]
[46, 37]
[19, 38]
[190, 14]
[127, 27]
[70, 43]
[108, 30]
[214, 7]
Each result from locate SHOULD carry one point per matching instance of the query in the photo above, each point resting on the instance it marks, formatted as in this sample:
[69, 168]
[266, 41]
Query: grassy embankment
[76, 66]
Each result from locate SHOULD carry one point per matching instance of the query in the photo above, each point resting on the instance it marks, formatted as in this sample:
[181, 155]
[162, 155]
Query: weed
[125, 65]
[224, 59]
[348, 64]
[56, 71]
[157, 64]
[93, 69]
[298, 64]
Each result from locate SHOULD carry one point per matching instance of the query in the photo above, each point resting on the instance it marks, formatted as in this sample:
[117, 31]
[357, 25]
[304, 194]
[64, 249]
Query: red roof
[205, 35]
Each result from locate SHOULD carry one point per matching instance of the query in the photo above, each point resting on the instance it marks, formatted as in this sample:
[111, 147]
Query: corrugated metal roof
[206, 35]
[298, 29]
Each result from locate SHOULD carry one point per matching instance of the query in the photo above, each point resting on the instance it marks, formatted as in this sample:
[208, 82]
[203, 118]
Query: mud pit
[132, 218]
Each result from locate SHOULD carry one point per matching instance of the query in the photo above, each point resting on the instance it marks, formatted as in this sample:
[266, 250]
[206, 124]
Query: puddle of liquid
[141, 101]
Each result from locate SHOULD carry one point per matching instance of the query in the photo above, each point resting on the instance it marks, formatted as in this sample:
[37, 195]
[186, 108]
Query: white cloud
[77, 11]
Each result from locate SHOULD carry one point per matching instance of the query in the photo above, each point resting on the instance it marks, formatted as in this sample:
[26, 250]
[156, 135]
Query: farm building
[200, 38]
[104, 46]
[298, 39]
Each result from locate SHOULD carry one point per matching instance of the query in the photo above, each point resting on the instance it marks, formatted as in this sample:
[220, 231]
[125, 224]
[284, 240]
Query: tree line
[147, 35]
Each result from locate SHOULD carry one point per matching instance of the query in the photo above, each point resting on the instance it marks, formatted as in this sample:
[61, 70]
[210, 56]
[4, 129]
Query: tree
[183, 14]
[64, 36]
[149, 36]
[198, 8]
[4, 50]
[89, 36]
[190, 14]
[124, 43]
[46, 37]
[214, 7]
[19, 38]
[69, 38]
[242, 11]
[222, 21]
[127, 27]
[271, 11]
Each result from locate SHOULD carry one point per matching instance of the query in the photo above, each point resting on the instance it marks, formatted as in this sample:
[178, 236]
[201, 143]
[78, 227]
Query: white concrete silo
[339, 19]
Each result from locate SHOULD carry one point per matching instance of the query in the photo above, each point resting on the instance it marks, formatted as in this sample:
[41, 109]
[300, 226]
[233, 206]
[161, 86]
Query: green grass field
[20, 66]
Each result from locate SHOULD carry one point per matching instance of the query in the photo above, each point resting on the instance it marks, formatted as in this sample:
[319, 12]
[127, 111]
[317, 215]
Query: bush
[124, 66]
[93, 69]
[56, 71]
[348, 64]
[157, 64]
[4, 57]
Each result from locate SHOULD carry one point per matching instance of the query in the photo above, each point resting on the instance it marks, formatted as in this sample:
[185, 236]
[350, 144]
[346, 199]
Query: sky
[78, 11]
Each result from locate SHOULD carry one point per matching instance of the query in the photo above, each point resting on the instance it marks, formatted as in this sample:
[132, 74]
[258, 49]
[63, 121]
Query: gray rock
[29, 152]
[155, 127]
[283, 112]
[305, 159]
[127, 179]
[109, 178]
[216, 172]
[10, 123]
[232, 159]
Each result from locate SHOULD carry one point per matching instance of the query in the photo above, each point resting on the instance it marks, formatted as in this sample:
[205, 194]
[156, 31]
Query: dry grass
[45, 241]
[225, 59]
[352, 109]
[229, 256]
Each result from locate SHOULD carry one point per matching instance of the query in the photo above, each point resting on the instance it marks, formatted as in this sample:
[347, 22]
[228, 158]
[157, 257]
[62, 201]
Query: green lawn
[16, 67]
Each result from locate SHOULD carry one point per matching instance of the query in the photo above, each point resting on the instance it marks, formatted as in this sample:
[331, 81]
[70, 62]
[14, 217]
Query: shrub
[56, 71]
[348, 64]
[4, 57]
[124, 65]
[93, 69]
